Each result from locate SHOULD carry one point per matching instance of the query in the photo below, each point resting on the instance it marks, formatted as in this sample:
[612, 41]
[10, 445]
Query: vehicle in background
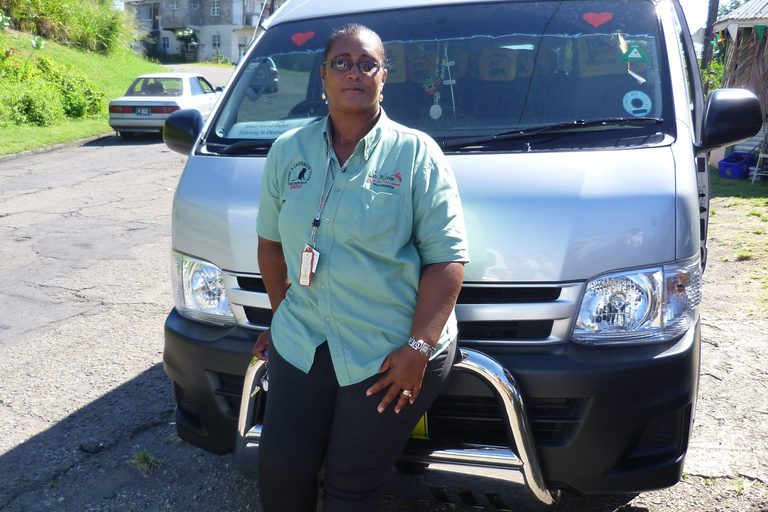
[577, 131]
[152, 98]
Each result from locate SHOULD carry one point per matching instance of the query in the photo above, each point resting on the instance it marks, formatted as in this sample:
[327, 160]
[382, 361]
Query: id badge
[309, 258]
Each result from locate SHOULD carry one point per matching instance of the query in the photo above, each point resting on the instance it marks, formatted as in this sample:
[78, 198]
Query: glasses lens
[341, 64]
[367, 67]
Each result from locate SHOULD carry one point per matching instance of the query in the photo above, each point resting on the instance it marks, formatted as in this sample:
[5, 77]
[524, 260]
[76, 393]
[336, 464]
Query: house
[222, 26]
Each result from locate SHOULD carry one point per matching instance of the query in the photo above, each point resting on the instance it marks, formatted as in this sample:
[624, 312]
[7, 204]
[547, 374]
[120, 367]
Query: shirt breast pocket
[379, 218]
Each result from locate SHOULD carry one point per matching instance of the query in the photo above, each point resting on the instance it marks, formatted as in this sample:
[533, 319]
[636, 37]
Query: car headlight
[199, 291]
[640, 306]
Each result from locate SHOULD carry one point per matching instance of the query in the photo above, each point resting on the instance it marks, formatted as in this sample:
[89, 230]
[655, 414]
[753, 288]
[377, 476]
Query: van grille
[511, 330]
[487, 313]
[477, 420]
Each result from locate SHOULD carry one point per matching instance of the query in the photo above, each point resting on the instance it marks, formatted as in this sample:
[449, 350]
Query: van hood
[531, 217]
[566, 216]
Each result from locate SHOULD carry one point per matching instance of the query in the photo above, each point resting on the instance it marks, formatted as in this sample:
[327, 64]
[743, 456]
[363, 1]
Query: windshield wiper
[241, 147]
[564, 129]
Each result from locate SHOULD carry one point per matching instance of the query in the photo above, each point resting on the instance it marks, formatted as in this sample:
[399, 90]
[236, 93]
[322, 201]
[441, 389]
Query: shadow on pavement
[136, 406]
[139, 139]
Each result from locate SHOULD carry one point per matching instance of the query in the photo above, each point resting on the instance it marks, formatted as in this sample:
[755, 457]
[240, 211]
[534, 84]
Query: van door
[696, 102]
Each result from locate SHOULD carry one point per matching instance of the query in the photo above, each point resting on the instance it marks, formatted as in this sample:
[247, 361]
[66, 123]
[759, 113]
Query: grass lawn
[738, 237]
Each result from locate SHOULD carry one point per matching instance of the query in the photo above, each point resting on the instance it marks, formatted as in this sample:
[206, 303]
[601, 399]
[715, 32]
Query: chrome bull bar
[502, 461]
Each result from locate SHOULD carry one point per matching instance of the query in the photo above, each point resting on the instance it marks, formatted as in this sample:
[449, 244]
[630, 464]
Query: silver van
[577, 131]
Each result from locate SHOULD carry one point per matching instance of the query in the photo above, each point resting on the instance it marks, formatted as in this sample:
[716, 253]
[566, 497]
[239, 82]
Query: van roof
[304, 9]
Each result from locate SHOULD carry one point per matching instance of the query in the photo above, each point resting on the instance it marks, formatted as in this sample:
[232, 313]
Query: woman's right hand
[262, 343]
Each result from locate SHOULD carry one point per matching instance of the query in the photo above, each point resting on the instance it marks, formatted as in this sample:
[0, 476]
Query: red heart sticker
[596, 19]
[299, 38]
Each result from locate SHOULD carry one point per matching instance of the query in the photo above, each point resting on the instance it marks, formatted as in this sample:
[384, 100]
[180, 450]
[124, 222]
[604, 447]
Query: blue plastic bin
[736, 165]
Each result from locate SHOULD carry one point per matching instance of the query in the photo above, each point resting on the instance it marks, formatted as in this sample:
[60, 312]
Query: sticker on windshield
[637, 103]
[634, 54]
[301, 38]
[266, 129]
[596, 19]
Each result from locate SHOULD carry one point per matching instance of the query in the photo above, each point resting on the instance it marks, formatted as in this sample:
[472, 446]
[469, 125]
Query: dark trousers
[310, 420]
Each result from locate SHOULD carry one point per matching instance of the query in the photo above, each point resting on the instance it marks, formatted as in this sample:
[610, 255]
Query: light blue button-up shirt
[394, 210]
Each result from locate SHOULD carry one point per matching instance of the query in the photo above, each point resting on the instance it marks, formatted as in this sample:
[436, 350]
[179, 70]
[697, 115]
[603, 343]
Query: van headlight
[640, 306]
[199, 290]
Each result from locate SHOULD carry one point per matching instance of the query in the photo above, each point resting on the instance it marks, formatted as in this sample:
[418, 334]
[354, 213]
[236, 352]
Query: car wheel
[127, 135]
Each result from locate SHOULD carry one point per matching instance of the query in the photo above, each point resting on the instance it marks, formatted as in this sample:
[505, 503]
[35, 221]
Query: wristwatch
[421, 346]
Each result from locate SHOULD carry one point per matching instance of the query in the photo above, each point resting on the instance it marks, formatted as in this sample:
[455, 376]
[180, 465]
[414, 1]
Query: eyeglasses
[366, 67]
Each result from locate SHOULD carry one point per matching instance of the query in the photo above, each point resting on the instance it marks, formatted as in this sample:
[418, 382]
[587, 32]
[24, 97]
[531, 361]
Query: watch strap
[421, 346]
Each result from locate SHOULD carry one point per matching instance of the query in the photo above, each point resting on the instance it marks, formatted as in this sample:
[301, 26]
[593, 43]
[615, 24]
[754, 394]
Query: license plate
[420, 432]
[143, 111]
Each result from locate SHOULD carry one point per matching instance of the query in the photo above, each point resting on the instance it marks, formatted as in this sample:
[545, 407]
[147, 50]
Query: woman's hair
[354, 29]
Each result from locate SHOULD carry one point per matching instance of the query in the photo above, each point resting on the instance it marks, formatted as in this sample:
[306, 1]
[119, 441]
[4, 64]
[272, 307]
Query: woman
[362, 252]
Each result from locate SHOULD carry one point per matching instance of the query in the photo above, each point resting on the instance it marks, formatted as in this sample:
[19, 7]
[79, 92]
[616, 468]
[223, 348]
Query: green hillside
[110, 75]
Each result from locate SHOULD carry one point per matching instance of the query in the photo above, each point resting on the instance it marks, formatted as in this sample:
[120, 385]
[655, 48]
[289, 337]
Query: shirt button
[327, 221]
[322, 285]
[337, 189]
[327, 319]
[323, 253]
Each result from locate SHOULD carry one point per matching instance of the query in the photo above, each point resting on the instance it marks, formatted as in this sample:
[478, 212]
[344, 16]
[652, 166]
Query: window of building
[166, 44]
[217, 41]
[195, 4]
[146, 12]
[215, 7]
[174, 6]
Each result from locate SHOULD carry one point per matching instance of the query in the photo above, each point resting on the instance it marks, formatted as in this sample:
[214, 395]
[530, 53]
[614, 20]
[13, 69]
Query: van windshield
[468, 72]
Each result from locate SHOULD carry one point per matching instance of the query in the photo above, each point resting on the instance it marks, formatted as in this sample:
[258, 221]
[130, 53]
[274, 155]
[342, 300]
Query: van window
[472, 71]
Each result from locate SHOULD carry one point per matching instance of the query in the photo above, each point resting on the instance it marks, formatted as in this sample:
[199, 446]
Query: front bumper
[595, 420]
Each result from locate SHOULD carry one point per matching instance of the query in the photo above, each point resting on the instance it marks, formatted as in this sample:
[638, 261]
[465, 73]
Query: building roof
[754, 12]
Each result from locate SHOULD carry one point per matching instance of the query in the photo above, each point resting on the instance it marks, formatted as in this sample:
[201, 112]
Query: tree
[185, 37]
[706, 52]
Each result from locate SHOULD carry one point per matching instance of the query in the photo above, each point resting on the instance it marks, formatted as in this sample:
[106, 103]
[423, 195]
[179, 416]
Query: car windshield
[155, 86]
[472, 72]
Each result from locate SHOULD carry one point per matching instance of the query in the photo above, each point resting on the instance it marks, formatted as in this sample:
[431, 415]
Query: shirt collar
[371, 139]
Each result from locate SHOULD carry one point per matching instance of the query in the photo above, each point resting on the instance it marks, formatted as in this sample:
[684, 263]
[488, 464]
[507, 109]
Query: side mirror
[730, 116]
[181, 129]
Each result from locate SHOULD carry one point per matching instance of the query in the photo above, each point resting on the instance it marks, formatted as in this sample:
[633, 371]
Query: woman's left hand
[403, 370]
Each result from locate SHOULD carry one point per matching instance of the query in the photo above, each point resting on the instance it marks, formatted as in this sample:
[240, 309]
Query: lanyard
[324, 195]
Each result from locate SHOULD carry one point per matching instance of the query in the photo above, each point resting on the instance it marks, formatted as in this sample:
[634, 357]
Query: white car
[152, 98]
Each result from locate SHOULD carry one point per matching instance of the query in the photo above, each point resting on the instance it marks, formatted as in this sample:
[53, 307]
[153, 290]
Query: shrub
[78, 95]
[34, 101]
[220, 59]
[40, 92]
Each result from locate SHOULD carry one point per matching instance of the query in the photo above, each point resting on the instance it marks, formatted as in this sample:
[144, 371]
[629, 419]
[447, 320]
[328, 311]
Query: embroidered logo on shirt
[384, 180]
[299, 174]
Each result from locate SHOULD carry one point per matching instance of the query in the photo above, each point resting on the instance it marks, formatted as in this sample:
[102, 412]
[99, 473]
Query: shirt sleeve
[270, 200]
[438, 221]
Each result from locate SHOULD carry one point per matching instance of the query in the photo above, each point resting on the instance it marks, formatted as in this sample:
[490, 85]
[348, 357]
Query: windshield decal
[634, 54]
[266, 129]
[301, 38]
[637, 103]
[596, 19]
